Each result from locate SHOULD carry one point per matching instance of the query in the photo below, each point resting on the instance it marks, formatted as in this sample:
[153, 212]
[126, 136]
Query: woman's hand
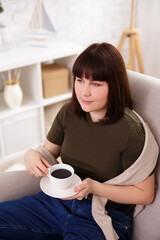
[83, 189]
[35, 164]
[141, 193]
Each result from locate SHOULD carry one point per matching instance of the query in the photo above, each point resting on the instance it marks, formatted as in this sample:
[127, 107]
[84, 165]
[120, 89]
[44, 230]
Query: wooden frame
[134, 43]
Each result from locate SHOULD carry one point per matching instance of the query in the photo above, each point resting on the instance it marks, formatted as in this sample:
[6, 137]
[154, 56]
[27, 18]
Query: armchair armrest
[18, 184]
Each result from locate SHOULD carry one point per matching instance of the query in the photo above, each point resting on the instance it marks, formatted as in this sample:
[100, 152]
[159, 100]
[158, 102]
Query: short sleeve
[134, 146]
[56, 132]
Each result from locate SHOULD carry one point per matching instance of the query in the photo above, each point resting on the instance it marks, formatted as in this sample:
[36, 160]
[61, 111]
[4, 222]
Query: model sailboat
[40, 23]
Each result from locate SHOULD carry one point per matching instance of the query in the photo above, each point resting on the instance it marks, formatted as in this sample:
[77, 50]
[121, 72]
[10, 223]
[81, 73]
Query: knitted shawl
[135, 174]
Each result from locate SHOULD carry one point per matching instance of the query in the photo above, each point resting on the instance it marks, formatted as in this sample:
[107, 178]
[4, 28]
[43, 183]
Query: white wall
[82, 21]
[148, 21]
[88, 21]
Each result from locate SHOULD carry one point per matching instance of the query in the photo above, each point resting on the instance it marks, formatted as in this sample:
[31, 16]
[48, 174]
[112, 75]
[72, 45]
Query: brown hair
[103, 62]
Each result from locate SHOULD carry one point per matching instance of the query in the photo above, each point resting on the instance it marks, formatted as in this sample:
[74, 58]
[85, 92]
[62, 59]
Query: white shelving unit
[24, 127]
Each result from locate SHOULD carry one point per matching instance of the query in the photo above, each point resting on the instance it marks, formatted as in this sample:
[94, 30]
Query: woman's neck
[96, 116]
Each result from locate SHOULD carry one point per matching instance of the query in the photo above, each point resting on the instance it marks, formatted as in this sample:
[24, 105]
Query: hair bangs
[90, 66]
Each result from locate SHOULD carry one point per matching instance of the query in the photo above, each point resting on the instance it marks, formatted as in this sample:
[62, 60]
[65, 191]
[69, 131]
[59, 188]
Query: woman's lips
[86, 101]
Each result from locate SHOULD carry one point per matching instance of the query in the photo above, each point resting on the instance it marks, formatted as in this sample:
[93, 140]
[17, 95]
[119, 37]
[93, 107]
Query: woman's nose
[86, 90]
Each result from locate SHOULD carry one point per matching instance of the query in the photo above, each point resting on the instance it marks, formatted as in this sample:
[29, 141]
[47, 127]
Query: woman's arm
[35, 164]
[141, 193]
[52, 148]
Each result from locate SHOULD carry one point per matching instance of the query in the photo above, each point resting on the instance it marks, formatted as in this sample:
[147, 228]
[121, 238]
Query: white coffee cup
[61, 175]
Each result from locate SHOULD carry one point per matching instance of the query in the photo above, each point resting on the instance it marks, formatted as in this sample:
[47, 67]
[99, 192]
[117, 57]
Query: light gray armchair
[145, 92]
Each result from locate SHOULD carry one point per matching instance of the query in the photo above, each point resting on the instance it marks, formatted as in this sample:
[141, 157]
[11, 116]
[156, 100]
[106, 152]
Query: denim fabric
[43, 217]
[122, 223]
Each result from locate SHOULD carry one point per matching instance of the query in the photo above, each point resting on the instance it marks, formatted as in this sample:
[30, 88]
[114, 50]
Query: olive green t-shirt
[96, 150]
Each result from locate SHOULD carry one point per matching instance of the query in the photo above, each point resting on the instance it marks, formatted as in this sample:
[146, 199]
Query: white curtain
[148, 21]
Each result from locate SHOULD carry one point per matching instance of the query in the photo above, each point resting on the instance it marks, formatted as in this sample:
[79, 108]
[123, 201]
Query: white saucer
[52, 191]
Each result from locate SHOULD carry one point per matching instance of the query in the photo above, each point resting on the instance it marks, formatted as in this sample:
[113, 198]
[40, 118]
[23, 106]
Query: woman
[99, 135]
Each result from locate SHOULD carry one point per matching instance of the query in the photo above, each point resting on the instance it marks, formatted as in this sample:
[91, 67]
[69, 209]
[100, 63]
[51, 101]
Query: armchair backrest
[145, 91]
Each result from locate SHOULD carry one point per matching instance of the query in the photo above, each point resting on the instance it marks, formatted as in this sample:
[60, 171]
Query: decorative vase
[13, 95]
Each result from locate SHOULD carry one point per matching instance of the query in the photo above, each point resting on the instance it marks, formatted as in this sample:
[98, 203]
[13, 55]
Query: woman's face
[92, 96]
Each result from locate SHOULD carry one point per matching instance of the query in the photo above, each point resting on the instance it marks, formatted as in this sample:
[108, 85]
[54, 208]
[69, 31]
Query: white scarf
[135, 174]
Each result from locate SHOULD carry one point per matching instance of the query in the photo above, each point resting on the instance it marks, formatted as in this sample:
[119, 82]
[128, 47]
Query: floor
[18, 163]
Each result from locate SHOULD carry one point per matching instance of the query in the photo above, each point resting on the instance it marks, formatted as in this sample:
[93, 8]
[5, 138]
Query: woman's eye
[95, 84]
[79, 80]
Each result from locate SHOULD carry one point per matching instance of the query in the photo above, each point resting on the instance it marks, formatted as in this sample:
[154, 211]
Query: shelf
[28, 104]
[52, 100]
[22, 131]
[24, 127]
[5, 112]
[36, 51]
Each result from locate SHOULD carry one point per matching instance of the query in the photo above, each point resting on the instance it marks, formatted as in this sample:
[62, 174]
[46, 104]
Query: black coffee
[61, 173]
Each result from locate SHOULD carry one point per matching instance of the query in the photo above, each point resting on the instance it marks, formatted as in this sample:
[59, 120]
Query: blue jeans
[43, 217]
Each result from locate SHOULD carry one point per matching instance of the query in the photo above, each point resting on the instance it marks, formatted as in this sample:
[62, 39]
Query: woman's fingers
[38, 173]
[81, 186]
[46, 164]
[38, 168]
[42, 168]
[83, 189]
